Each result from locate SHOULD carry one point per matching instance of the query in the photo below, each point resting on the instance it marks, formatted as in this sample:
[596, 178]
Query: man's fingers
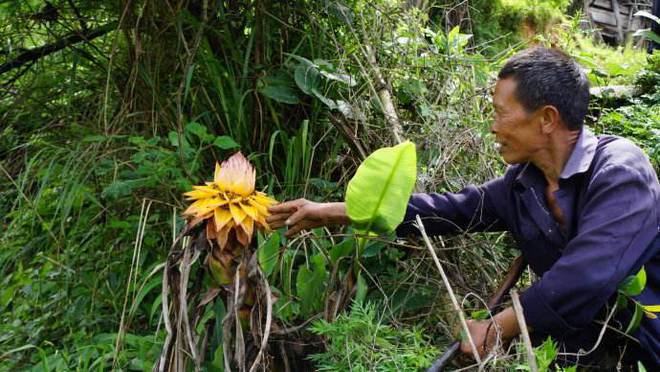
[282, 208]
[476, 329]
[274, 225]
[277, 217]
[293, 230]
[296, 217]
[286, 207]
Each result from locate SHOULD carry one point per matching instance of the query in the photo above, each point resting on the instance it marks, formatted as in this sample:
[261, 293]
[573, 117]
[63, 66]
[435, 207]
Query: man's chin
[511, 160]
[508, 156]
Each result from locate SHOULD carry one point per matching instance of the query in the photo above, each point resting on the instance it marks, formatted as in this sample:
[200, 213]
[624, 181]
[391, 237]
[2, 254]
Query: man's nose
[493, 127]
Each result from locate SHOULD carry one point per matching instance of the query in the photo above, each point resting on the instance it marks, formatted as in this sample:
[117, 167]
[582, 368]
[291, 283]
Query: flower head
[236, 175]
[230, 203]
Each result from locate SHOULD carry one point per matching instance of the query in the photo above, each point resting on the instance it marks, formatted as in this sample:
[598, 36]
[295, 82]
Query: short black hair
[550, 77]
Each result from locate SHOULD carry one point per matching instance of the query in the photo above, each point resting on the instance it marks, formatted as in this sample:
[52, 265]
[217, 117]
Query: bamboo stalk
[445, 280]
[517, 308]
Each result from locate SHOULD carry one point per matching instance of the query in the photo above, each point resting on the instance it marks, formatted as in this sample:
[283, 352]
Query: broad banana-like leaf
[377, 196]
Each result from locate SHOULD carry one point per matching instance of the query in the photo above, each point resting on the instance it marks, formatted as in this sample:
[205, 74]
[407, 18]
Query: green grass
[362, 341]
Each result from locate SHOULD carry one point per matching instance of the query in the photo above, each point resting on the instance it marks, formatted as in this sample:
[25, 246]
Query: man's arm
[475, 208]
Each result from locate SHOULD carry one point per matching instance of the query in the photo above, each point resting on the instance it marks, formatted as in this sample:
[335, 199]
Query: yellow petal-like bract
[232, 203]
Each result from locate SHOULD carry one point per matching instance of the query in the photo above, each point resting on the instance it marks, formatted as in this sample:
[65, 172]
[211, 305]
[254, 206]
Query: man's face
[516, 131]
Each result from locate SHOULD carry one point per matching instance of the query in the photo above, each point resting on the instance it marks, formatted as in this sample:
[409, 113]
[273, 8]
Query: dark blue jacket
[609, 196]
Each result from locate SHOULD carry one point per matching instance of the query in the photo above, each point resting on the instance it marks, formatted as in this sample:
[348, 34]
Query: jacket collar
[581, 157]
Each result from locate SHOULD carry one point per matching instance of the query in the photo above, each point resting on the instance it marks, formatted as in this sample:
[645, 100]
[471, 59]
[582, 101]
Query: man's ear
[550, 118]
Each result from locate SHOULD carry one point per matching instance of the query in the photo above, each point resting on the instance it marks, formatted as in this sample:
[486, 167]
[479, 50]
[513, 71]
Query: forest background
[110, 110]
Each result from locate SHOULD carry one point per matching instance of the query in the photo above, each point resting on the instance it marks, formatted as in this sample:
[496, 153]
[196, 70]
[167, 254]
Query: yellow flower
[230, 203]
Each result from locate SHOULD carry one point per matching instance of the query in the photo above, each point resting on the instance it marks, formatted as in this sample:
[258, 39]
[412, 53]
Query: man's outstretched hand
[303, 214]
[484, 336]
[485, 332]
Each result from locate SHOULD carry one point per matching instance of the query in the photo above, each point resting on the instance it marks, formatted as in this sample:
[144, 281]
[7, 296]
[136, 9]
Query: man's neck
[552, 159]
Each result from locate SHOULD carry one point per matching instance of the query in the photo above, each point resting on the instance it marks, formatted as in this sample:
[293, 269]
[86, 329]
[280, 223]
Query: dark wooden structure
[615, 19]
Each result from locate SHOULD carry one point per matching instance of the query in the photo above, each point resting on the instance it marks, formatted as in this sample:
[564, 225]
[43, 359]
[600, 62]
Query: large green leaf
[277, 88]
[377, 196]
[307, 78]
[280, 93]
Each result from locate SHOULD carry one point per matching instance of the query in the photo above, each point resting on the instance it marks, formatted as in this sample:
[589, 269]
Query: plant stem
[445, 280]
[517, 307]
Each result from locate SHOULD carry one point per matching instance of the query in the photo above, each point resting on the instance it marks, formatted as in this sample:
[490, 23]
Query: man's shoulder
[618, 152]
[618, 159]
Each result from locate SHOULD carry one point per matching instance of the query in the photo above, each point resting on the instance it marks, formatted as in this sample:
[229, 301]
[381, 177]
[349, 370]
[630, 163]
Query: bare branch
[71, 39]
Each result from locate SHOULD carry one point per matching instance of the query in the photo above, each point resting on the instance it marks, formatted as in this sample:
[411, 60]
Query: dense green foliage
[359, 341]
[636, 118]
[500, 23]
[99, 139]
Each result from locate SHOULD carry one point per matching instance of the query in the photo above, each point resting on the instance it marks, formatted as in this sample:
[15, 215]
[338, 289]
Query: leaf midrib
[385, 187]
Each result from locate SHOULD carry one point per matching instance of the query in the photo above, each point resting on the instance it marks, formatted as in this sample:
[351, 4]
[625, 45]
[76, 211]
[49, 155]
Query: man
[584, 211]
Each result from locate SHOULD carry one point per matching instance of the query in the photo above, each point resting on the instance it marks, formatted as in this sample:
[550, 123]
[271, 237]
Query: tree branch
[387, 104]
[73, 38]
